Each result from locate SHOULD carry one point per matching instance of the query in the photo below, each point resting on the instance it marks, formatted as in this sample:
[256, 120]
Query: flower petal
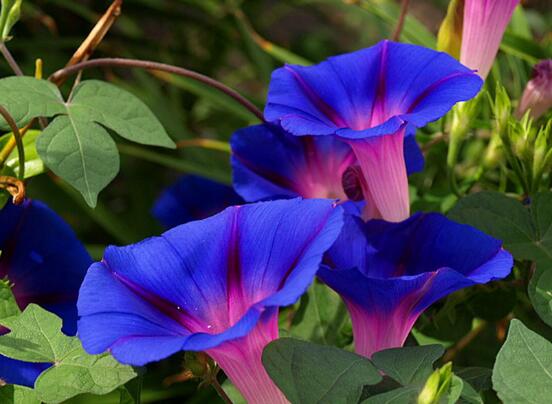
[193, 198]
[215, 280]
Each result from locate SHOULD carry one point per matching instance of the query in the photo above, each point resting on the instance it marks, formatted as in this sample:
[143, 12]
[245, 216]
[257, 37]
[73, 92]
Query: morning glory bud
[537, 96]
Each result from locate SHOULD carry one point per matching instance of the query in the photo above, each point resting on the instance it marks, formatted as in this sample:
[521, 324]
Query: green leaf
[8, 305]
[81, 373]
[402, 395]
[321, 316]
[27, 98]
[479, 378]
[540, 291]
[35, 336]
[523, 48]
[80, 152]
[526, 232]
[410, 365]
[118, 110]
[311, 373]
[13, 394]
[523, 369]
[33, 163]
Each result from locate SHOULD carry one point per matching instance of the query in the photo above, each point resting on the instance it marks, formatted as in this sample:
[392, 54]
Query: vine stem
[150, 65]
[400, 23]
[220, 391]
[9, 58]
[18, 139]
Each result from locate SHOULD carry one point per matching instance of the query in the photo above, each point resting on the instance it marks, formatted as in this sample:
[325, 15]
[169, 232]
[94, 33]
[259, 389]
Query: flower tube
[373, 99]
[213, 285]
[46, 263]
[389, 273]
[484, 24]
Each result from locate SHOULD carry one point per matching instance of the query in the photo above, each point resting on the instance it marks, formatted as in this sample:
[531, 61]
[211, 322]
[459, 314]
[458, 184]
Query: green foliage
[35, 336]
[76, 145]
[540, 291]
[13, 394]
[523, 368]
[33, 163]
[321, 317]
[525, 231]
[310, 373]
[409, 365]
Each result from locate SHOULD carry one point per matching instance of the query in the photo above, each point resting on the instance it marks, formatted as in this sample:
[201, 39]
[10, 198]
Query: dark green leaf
[311, 373]
[321, 316]
[526, 233]
[118, 110]
[402, 395]
[80, 152]
[523, 368]
[410, 365]
[479, 378]
[540, 291]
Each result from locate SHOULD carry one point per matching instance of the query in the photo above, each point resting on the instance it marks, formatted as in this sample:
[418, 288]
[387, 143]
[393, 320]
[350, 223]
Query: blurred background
[238, 43]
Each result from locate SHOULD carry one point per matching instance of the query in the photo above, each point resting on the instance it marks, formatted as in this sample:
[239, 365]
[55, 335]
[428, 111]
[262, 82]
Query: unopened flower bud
[537, 95]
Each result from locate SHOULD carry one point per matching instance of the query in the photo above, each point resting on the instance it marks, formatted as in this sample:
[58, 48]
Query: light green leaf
[81, 373]
[311, 373]
[540, 291]
[13, 394]
[410, 365]
[26, 98]
[523, 369]
[33, 163]
[118, 110]
[8, 305]
[321, 316]
[80, 152]
[35, 336]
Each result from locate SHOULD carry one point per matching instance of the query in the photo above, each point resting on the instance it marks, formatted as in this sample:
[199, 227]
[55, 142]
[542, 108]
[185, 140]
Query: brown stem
[218, 388]
[18, 139]
[150, 65]
[15, 187]
[464, 342]
[11, 61]
[400, 24]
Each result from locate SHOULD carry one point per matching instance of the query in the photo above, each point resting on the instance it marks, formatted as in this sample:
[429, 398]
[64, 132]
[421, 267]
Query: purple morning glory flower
[269, 163]
[213, 285]
[193, 197]
[43, 259]
[389, 273]
[372, 99]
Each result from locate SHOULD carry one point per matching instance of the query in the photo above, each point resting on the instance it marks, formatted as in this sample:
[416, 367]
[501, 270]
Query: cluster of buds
[527, 147]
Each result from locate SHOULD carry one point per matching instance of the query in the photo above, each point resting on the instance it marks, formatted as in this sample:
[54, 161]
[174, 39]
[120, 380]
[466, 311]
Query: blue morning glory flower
[389, 273]
[269, 163]
[193, 197]
[372, 99]
[213, 285]
[45, 262]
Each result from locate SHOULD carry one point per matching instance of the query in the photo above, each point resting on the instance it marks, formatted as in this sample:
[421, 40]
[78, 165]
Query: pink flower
[484, 25]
